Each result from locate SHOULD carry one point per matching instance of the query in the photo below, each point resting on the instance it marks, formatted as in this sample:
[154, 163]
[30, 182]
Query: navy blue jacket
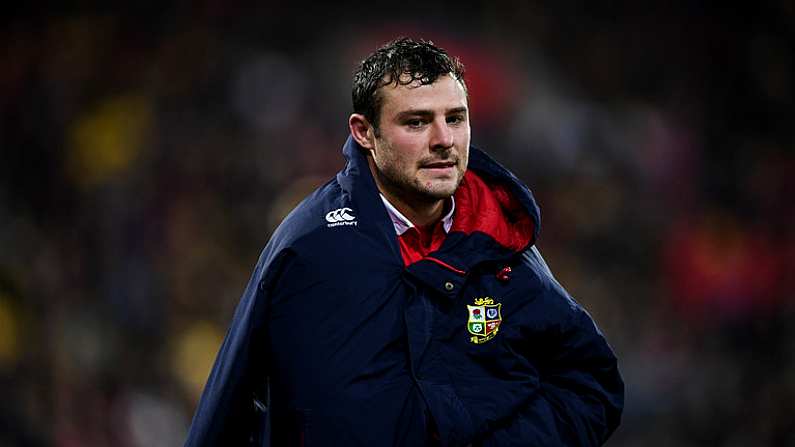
[356, 349]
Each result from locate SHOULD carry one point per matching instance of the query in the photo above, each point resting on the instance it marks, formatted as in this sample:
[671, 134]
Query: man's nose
[442, 135]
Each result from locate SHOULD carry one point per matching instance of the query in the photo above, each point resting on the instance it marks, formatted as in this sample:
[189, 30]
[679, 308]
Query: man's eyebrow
[414, 112]
[427, 113]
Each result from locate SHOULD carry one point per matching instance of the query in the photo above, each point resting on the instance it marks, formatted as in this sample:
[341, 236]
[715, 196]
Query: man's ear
[361, 131]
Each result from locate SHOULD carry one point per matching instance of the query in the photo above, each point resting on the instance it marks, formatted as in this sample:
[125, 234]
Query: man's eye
[414, 123]
[455, 119]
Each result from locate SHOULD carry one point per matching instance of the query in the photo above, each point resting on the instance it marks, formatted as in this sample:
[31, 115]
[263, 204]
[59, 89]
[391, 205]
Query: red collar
[477, 207]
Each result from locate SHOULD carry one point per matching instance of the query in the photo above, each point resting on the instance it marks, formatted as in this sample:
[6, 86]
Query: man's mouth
[439, 165]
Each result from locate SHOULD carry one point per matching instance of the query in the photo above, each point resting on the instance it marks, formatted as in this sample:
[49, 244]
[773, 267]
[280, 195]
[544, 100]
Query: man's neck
[421, 214]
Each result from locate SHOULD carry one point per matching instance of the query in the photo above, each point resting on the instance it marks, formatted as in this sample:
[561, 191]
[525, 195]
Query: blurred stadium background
[148, 152]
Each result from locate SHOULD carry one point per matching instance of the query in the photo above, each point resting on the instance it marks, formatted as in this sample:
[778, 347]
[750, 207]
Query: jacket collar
[402, 223]
[460, 251]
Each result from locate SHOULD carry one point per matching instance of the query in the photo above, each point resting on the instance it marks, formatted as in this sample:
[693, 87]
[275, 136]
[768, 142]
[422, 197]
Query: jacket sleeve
[580, 395]
[230, 411]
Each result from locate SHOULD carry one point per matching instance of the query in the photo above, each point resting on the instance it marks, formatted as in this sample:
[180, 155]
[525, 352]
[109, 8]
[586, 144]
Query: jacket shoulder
[310, 217]
[325, 226]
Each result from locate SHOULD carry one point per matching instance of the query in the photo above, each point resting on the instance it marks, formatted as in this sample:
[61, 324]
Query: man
[403, 303]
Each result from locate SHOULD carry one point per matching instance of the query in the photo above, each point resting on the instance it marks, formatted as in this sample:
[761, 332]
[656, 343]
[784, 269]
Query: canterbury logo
[341, 216]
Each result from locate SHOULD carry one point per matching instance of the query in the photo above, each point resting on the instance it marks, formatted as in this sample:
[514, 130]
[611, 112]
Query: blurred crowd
[146, 153]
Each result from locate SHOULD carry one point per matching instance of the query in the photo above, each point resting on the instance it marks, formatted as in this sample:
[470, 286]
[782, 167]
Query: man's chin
[440, 191]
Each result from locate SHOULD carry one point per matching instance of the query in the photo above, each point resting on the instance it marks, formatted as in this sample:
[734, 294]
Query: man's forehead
[444, 91]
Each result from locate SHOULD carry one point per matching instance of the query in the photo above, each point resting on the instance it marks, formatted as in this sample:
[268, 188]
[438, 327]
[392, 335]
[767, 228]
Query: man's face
[422, 148]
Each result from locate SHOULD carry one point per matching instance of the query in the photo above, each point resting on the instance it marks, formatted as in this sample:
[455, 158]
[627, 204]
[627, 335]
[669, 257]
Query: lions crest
[484, 320]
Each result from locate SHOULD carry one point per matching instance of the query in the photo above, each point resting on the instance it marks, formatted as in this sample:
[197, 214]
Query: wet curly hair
[401, 61]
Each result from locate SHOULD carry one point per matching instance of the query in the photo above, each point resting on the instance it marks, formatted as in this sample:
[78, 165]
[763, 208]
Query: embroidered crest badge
[484, 320]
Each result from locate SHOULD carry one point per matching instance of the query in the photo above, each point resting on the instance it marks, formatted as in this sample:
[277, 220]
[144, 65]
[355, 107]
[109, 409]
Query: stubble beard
[408, 186]
[419, 191]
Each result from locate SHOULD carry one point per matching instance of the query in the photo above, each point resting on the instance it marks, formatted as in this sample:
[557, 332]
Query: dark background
[147, 152]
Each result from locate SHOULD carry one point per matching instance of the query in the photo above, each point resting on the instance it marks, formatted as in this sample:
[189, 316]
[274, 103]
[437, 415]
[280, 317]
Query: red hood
[493, 210]
[479, 207]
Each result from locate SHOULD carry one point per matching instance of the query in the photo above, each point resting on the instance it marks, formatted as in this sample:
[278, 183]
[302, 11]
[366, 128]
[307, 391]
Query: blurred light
[193, 355]
[106, 140]
[155, 422]
[268, 92]
[9, 336]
